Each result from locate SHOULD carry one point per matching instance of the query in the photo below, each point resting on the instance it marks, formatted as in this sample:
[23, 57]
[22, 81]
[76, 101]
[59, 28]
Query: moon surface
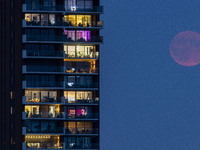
[185, 48]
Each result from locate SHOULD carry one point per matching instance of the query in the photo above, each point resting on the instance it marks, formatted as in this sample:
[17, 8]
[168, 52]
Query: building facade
[50, 74]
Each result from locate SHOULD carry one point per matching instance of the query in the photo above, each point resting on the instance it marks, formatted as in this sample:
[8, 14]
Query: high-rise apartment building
[49, 74]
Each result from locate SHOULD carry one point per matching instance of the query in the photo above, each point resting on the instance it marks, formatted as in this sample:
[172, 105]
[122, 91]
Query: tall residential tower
[49, 80]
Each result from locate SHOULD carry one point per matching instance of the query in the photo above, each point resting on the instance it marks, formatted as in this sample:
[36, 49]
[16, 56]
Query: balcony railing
[61, 39]
[40, 68]
[57, 54]
[83, 55]
[43, 53]
[83, 101]
[60, 23]
[26, 115]
[77, 146]
[43, 84]
[42, 100]
[82, 116]
[61, 8]
[79, 131]
[43, 146]
[82, 70]
[56, 130]
[81, 85]
[61, 115]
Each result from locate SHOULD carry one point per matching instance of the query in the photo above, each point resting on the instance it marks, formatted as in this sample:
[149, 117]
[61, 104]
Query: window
[70, 35]
[70, 51]
[44, 20]
[83, 36]
[80, 127]
[35, 18]
[52, 19]
[71, 81]
[32, 111]
[72, 127]
[80, 20]
[80, 51]
[71, 112]
[70, 96]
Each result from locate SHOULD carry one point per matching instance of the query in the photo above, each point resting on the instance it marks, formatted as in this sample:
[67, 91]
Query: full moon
[185, 48]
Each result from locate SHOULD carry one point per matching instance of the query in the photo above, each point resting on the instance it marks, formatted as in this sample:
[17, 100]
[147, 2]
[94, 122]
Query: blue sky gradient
[148, 101]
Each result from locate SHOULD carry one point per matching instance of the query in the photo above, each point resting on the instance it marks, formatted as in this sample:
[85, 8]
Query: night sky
[148, 101]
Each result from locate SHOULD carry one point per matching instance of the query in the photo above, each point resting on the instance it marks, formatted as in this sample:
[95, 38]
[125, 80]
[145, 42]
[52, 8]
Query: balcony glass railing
[82, 116]
[82, 70]
[45, 115]
[39, 68]
[44, 53]
[49, 145]
[45, 130]
[62, 23]
[36, 84]
[82, 55]
[81, 85]
[63, 38]
[82, 145]
[72, 9]
[44, 99]
[82, 101]
[81, 131]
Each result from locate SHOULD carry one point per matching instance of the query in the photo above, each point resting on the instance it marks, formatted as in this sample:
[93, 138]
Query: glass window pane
[44, 20]
[83, 36]
[80, 20]
[80, 95]
[70, 35]
[71, 97]
[88, 21]
[71, 112]
[71, 20]
[72, 127]
[80, 51]
[52, 19]
[28, 17]
[35, 18]
[80, 127]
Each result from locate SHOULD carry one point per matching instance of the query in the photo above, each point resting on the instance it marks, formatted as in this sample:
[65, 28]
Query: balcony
[43, 115]
[60, 39]
[62, 146]
[61, 24]
[91, 116]
[62, 9]
[88, 86]
[82, 71]
[43, 69]
[83, 102]
[43, 84]
[55, 131]
[42, 100]
[57, 55]
[81, 56]
[43, 146]
[43, 54]
[84, 132]
[78, 146]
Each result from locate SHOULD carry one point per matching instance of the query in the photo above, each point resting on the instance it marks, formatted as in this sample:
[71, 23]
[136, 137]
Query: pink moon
[185, 48]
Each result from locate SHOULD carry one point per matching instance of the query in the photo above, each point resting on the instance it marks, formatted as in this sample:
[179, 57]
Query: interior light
[70, 84]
